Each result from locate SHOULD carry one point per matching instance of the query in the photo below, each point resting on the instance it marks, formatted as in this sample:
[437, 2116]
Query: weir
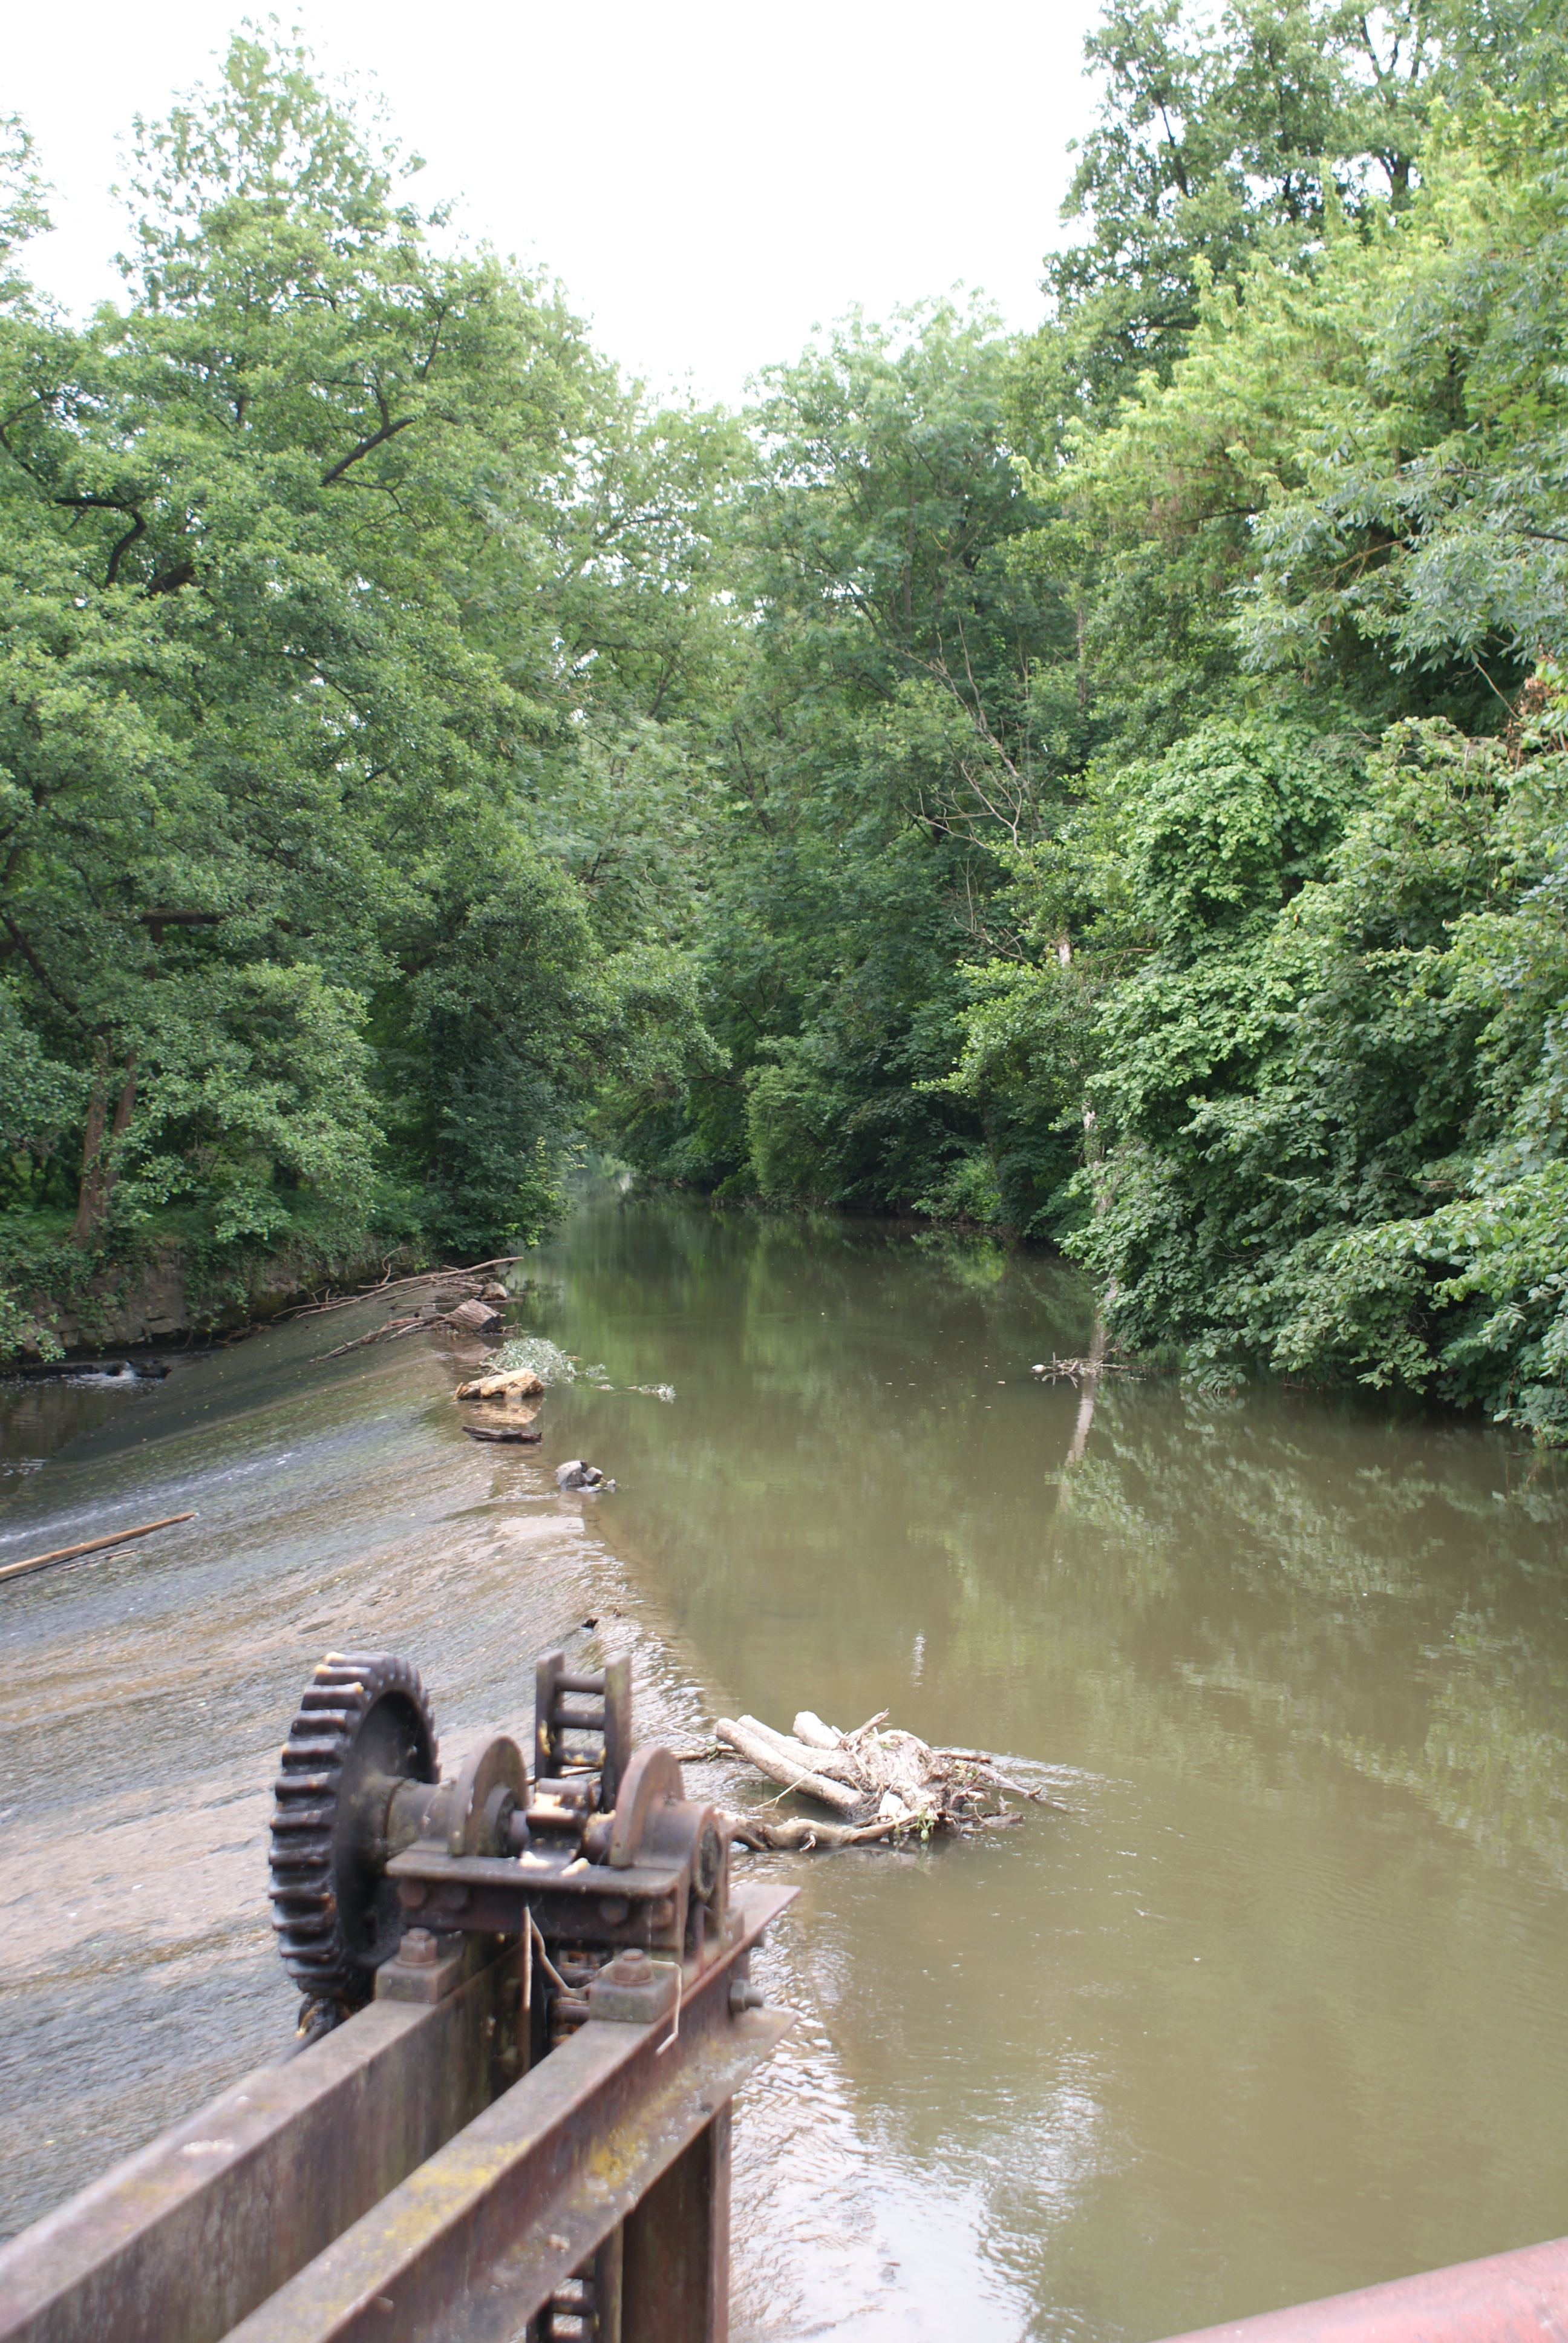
[527, 2009]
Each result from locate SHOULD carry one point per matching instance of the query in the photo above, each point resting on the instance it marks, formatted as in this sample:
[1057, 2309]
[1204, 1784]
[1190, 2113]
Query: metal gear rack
[506, 2119]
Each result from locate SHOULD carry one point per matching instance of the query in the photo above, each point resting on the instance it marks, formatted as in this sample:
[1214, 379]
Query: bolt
[631, 1967]
[418, 1949]
[744, 1996]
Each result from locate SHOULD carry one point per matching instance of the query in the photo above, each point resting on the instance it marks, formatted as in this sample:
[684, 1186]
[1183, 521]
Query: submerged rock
[575, 1474]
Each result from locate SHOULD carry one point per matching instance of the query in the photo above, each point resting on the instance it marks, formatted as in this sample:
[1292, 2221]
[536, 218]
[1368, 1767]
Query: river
[1277, 2007]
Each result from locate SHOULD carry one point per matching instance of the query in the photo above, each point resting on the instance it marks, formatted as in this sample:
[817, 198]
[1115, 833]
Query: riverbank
[176, 1284]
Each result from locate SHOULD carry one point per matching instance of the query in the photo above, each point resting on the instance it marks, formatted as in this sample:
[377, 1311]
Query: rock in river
[576, 1474]
[519, 1382]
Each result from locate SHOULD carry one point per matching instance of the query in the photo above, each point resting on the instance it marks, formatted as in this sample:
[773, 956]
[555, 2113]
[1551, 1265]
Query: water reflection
[1280, 2008]
[1277, 2007]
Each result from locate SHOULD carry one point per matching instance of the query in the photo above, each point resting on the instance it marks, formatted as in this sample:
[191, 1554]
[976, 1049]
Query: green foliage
[1219, 141]
[1151, 876]
[1108, 788]
[896, 729]
[1340, 1153]
[1288, 998]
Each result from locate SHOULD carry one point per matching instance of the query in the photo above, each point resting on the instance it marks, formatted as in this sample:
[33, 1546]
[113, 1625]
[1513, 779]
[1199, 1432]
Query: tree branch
[366, 447]
[23, 945]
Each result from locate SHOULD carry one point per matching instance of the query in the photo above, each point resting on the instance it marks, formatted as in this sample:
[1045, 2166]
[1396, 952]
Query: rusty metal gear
[363, 1725]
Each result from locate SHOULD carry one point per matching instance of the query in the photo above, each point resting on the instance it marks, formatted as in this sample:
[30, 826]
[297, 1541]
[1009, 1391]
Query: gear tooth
[297, 1935]
[344, 1691]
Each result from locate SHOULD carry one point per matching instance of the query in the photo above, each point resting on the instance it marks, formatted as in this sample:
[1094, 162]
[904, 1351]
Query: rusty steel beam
[473, 2245]
[181, 2241]
[1517, 2298]
[675, 2257]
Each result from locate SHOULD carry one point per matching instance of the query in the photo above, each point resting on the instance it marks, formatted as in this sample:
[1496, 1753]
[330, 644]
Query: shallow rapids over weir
[1278, 2006]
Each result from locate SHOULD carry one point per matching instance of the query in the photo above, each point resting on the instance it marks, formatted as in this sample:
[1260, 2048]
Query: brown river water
[1278, 2007]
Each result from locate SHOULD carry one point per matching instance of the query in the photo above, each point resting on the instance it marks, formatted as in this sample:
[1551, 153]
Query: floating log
[377, 1333]
[809, 1728]
[90, 1545]
[527, 1433]
[390, 1284]
[394, 1330]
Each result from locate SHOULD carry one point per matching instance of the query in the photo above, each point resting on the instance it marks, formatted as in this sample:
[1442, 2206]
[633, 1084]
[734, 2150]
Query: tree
[1217, 144]
[888, 733]
[312, 559]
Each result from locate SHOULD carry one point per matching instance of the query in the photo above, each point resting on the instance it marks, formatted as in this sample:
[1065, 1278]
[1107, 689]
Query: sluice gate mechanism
[528, 2007]
[505, 2118]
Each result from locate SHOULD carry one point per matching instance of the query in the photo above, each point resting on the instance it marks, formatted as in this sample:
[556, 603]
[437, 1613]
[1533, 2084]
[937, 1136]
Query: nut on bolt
[418, 1949]
[744, 1996]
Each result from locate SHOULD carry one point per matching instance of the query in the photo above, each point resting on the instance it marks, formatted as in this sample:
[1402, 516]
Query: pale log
[836, 1763]
[783, 1770]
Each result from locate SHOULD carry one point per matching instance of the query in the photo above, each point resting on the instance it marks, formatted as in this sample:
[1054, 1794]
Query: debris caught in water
[551, 1365]
[880, 1783]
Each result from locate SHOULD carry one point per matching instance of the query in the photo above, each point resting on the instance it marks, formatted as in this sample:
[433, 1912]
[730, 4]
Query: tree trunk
[98, 1167]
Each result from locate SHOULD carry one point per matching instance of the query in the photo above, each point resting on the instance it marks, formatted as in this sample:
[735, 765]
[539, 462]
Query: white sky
[709, 180]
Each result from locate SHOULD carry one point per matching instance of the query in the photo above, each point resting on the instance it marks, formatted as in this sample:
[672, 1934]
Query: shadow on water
[1278, 2008]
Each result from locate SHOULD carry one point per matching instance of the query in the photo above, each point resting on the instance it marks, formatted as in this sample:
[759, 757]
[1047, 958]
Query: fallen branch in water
[90, 1545]
[394, 1328]
[798, 1836]
[391, 1284]
[389, 1332]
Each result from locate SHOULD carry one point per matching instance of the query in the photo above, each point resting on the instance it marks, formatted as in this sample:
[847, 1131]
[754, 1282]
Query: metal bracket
[426, 1967]
[634, 1991]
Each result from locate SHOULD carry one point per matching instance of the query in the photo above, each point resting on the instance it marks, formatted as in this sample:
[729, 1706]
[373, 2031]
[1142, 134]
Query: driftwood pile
[879, 1785]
